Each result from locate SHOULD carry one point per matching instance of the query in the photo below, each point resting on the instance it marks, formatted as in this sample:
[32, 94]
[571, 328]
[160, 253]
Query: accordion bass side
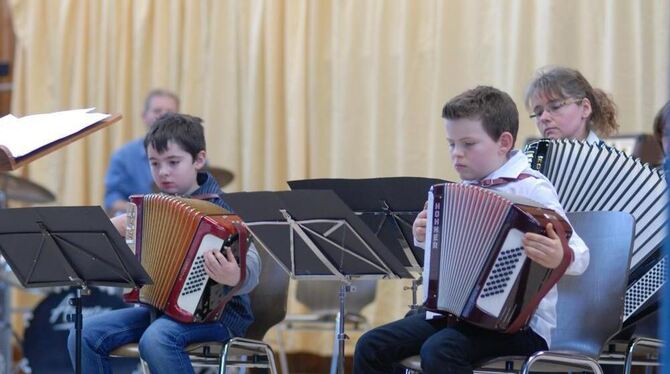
[596, 177]
[170, 236]
[475, 266]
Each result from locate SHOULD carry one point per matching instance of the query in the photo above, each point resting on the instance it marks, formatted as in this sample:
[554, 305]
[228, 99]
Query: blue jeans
[443, 348]
[161, 342]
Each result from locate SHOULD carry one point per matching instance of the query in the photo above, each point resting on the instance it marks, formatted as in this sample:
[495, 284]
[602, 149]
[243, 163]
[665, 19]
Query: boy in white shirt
[481, 127]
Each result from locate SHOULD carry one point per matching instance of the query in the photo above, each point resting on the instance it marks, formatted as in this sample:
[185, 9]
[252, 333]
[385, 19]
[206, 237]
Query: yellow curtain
[294, 89]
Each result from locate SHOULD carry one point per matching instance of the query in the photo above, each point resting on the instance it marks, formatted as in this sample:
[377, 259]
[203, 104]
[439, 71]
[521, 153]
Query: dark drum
[45, 340]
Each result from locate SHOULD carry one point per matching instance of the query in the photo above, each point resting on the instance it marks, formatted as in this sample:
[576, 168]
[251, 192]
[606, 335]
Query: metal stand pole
[77, 318]
[5, 313]
[414, 287]
[337, 362]
[6, 330]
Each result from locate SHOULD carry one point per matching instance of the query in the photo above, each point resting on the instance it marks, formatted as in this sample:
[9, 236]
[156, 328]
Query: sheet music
[26, 134]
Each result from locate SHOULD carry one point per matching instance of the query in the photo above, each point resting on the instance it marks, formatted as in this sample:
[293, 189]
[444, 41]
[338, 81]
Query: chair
[637, 345]
[268, 302]
[321, 297]
[590, 306]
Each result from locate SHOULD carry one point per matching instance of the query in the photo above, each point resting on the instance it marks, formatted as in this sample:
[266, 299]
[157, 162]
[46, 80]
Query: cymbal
[7, 276]
[21, 189]
[223, 176]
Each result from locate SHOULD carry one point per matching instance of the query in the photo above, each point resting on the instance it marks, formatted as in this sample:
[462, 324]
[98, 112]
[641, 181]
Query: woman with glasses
[564, 105]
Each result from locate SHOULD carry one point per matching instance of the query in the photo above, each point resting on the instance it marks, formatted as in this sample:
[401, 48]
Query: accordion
[475, 266]
[595, 177]
[170, 236]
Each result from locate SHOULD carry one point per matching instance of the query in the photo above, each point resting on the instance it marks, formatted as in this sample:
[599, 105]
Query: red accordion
[475, 267]
[170, 236]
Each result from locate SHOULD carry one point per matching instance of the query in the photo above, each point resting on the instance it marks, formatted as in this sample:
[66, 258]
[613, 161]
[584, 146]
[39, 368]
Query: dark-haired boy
[175, 146]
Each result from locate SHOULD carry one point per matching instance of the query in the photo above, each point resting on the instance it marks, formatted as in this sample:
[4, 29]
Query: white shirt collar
[592, 138]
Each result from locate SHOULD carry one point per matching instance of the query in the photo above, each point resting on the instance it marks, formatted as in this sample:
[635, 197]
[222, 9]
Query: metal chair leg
[283, 361]
[558, 358]
[639, 342]
[145, 367]
[250, 344]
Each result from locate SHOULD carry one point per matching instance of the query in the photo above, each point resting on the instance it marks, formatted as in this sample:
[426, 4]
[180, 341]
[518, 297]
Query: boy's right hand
[419, 226]
[545, 250]
[222, 268]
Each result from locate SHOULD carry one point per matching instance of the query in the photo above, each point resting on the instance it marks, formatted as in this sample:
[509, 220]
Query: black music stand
[314, 235]
[388, 206]
[68, 246]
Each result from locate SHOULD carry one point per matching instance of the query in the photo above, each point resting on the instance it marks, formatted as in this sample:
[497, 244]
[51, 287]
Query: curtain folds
[293, 89]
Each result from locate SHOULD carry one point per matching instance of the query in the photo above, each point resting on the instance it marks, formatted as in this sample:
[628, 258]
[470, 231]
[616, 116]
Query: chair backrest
[269, 298]
[590, 306]
[320, 296]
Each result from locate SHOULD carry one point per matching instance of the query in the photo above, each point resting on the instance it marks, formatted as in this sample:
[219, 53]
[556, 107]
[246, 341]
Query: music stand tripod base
[313, 235]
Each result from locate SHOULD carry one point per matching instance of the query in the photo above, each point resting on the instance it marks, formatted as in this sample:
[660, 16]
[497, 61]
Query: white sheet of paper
[26, 134]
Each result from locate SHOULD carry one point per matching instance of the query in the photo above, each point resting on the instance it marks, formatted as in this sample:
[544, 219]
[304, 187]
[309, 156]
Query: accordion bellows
[170, 236]
[475, 266]
[596, 177]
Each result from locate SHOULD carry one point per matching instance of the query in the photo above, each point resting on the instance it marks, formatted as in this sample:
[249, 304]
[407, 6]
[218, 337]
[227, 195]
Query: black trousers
[443, 348]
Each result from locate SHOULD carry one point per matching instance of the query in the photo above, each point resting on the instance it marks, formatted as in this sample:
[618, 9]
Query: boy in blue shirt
[175, 147]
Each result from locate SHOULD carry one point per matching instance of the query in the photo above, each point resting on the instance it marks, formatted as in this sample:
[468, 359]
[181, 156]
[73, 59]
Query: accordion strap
[243, 242]
[500, 181]
[205, 196]
[553, 278]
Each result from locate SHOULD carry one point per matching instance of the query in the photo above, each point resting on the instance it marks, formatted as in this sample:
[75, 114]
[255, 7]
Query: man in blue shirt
[129, 171]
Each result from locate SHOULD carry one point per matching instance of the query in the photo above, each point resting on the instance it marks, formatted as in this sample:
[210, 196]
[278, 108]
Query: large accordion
[596, 177]
[475, 267]
[170, 236]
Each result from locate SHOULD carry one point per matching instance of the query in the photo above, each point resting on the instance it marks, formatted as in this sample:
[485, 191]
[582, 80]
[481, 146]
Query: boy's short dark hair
[182, 129]
[494, 108]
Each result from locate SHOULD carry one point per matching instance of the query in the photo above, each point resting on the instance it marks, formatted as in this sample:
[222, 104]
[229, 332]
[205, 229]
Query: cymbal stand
[5, 314]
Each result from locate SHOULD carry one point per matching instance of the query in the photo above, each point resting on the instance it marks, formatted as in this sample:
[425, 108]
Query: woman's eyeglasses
[552, 107]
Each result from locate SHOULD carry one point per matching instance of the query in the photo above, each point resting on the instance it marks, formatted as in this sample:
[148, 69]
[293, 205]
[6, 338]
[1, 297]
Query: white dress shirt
[539, 189]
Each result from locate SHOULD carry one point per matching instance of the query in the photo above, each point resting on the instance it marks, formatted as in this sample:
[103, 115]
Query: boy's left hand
[223, 269]
[545, 250]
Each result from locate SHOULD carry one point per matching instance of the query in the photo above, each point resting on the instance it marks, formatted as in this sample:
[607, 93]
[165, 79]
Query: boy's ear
[200, 159]
[506, 141]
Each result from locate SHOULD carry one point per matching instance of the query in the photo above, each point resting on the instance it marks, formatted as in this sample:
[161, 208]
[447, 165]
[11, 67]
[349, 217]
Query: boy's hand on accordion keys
[545, 250]
[223, 269]
[419, 226]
